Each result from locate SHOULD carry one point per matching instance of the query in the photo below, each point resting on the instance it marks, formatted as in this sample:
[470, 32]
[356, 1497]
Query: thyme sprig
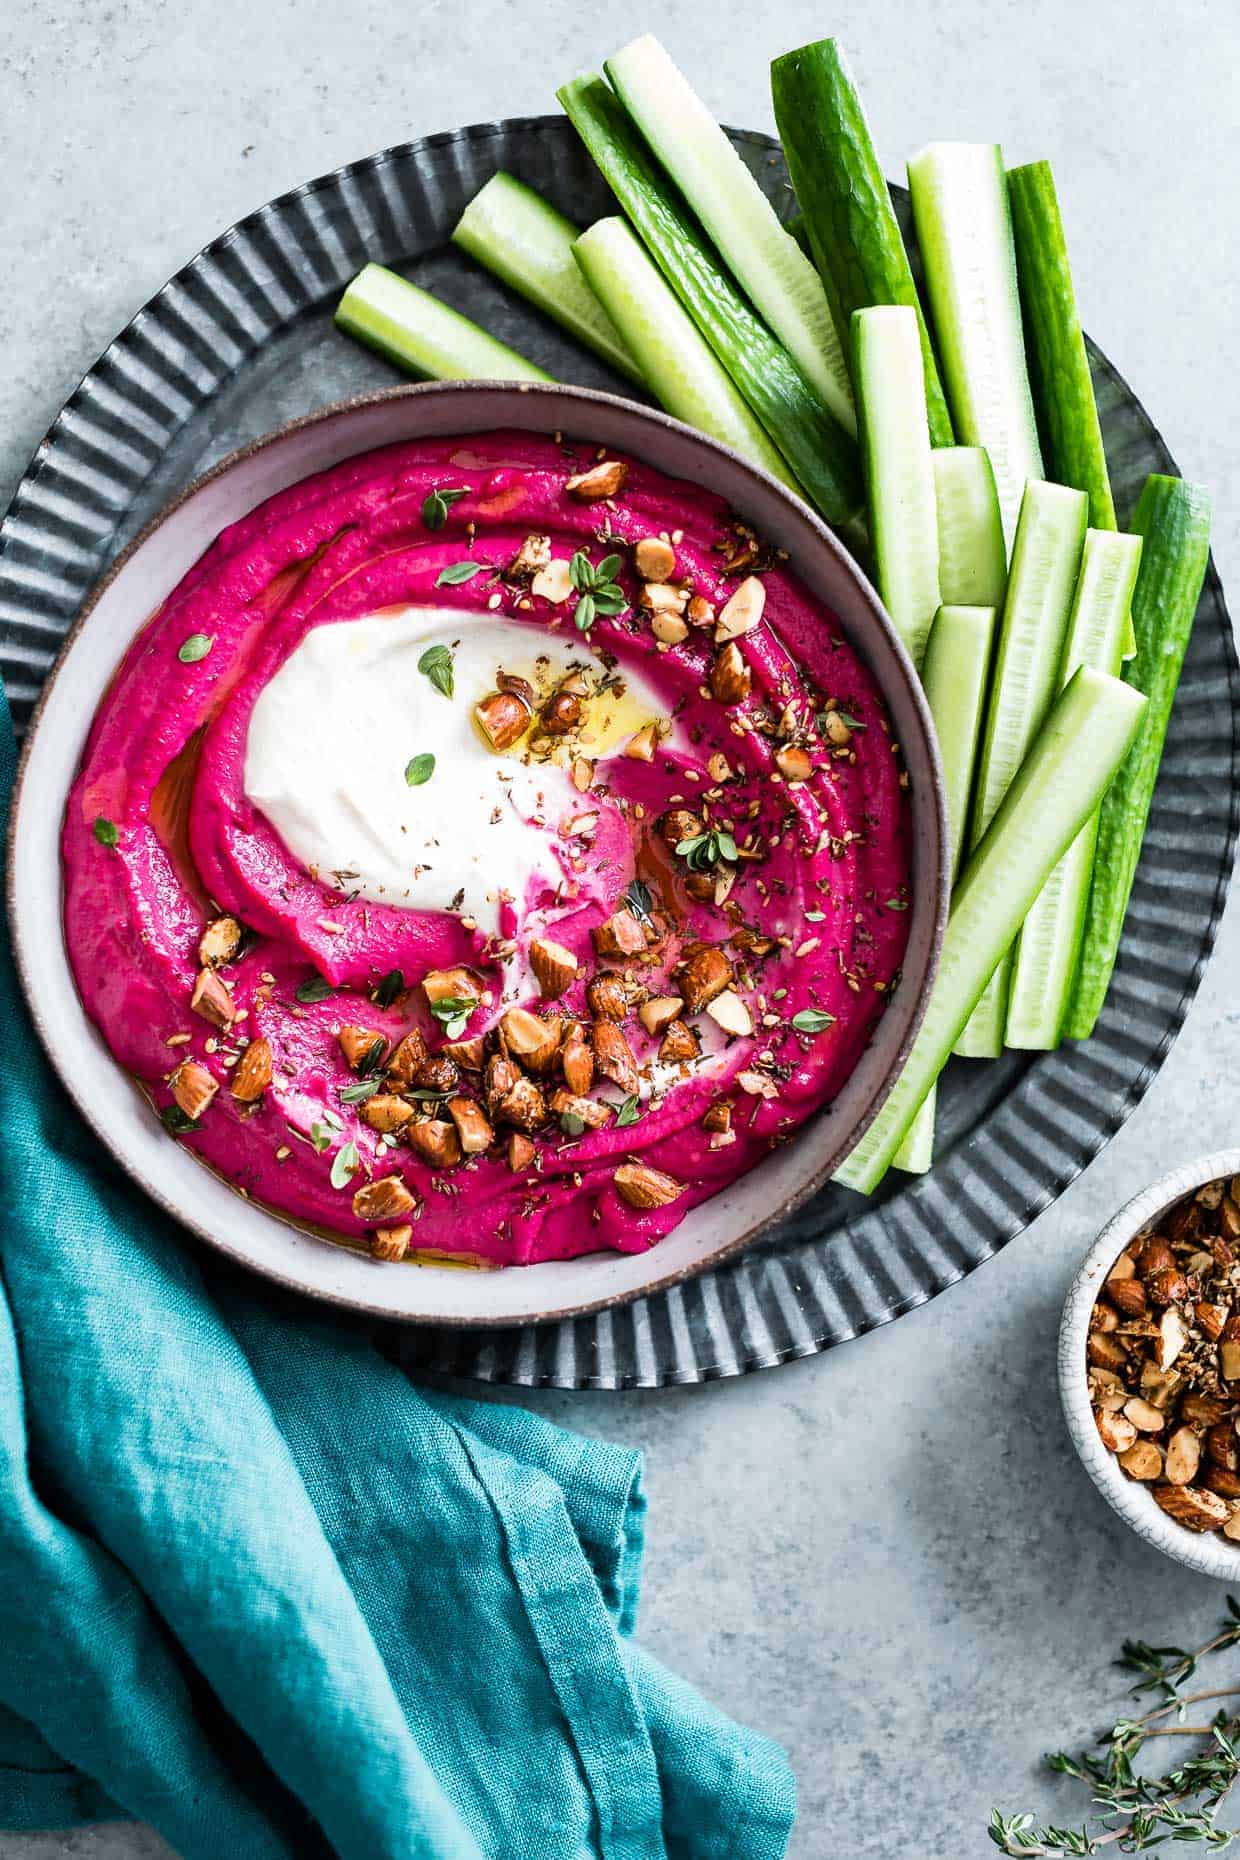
[598, 590]
[1130, 1810]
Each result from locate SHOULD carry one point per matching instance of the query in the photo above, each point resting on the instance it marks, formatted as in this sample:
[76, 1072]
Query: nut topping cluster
[1163, 1358]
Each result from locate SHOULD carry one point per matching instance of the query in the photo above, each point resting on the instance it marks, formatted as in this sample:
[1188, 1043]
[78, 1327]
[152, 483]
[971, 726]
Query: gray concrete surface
[886, 1557]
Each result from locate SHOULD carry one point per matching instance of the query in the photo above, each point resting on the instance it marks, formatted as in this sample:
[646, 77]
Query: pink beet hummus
[802, 890]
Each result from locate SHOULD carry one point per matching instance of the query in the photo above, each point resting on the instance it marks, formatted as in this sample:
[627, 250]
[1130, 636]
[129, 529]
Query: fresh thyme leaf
[437, 664]
[630, 1110]
[637, 897]
[600, 593]
[583, 613]
[426, 1095]
[571, 1124]
[196, 647]
[369, 1060]
[175, 1119]
[605, 570]
[609, 600]
[392, 985]
[358, 1094]
[854, 723]
[420, 769]
[316, 989]
[435, 507]
[452, 1013]
[344, 1166]
[705, 850]
[321, 1137]
[727, 847]
[106, 831]
[580, 572]
[895, 904]
[457, 572]
[812, 1020]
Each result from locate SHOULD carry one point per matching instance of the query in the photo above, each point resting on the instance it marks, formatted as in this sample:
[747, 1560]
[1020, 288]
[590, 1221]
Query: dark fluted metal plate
[241, 340]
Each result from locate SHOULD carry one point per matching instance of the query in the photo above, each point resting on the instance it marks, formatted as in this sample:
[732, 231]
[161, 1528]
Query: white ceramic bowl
[1209, 1554]
[134, 589]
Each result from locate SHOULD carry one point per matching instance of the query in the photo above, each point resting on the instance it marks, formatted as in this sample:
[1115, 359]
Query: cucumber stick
[1045, 962]
[895, 450]
[521, 237]
[764, 259]
[1067, 771]
[822, 455]
[417, 332]
[1173, 520]
[972, 552]
[845, 200]
[964, 229]
[680, 370]
[954, 675]
[1045, 561]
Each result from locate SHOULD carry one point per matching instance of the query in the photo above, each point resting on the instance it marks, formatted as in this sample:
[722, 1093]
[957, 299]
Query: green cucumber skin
[528, 244]
[964, 230]
[895, 451]
[1173, 519]
[1046, 955]
[1059, 365]
[1045, 562]
[972, 552]
[681, 370]
[415, 331]
[1081, 743]
[823, 458]
[954, 676]
[845, 201]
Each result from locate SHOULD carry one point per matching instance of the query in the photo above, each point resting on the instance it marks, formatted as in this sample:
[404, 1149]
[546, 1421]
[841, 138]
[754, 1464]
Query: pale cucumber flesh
[1045, 561]
[895, 451]
[1046, 956]
[678, 365]
[964, 229]
[765, 260]
[972, 551]
[417, 332]
[1068, 769]
[522, 238]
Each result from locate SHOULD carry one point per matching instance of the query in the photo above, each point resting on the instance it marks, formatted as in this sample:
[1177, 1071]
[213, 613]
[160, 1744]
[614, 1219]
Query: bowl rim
[935, 856]
[1207, 1553]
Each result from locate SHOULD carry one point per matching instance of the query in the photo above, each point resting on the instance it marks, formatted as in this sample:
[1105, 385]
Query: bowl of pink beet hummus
[487, 827]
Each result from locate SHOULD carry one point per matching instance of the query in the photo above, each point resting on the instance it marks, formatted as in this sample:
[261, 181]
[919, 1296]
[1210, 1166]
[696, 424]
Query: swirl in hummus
[489, 849]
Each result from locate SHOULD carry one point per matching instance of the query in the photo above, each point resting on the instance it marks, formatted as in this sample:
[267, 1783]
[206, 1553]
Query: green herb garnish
[812, 1020]
[175, 1119]
[452, 1012]
[707, 849]
[196, 647]
[854, 723]
[597, 587]
[571, 1124]
[358, 1094]
[815, 917]
[389, 989]
[436, 663]
[369, 1060]
[630, 1110]
[316, 989]
[106, 831]
[638, 899]
[344, 1166]
[457, 572]
[435, 507]
[420, 769]
[895, 904]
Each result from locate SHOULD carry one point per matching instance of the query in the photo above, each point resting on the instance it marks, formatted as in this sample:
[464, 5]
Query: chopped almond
[659, 1012]
[612, 997]
[669, 629]
[620, 935]
[390, 1243]
[386, 1112]
[193, 1088]
[704, 976]
[435, 1140]
[212, 998]
[219, 942]
[605, 480]
[577, 1063]
[521, 1152]
[451, 984]
[742, 612]
[793, 764]
[731, 680]
[680, 1044]
[533, 1041]
[359, 1044]
[592, 1113]
[406, 1059]
[468, 1054]
[555, 968]
[253, 1072]
[533, 555]
[384, 1200]
[523, 1106]
[642, 1186]
[472, 1128]
[613, 1056]
[554, 583]
[503, 718]
[654, 559]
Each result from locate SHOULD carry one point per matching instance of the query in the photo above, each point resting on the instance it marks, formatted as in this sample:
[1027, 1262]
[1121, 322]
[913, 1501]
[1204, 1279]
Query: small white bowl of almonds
[1149, 1364]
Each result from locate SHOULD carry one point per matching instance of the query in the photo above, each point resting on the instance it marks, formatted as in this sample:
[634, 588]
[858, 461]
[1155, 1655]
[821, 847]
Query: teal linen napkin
[259, 1590]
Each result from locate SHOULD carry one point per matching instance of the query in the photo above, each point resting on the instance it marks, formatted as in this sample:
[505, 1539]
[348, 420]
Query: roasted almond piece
[555, 968]
[1167, 1286]
[252, 1074]
[1106, 1352]
[611, 997]
[659, 1012]
[435, 1141]
[1183, 1457]
[620, 935]
[1211, 1318]
[1153, 1255]
[577, 1062]
[384, 1200]
[718, 1116]
[704, 975]
[219, 942]
[1202, 1410]
[407, 1057]
[1124, 1268]
[562, 713]
[498, 1080]
[503, 718]
[1142, 1460]
[1222, 1446]
[742, 611]
[1106, 1390]
[533, 555]
[192, 1088]
[468, 1054]
[386, 1112]
[1145, 1417]
[520, 1152]
[1127, 1295]
[1192, 1507]
[1229, 1215]
[1232, 1527]
[533, 1041]
[661, 597]
[731, 1013]
[700, 611]
[436, 1073]
[680, 1044]
[731, 680]
[1229, 1349]
[1222, 1480]
[1172, 1336]
[473, 1130]
[605, 480]
[654, 559]
[645, 1187]
[522, 1106]
[793, 763]
[212, 998]
[359, 1044]
[836, 730]
[680, 823]
[613, 1056]
[1159, 1386]
[1116, 1430]
[592, 1113]
[554, 583]
[390, 1243]
[669, 629]
[451, 984]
